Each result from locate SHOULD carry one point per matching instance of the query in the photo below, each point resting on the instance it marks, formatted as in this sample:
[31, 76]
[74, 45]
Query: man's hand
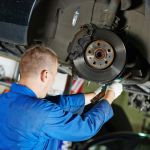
[113, 91]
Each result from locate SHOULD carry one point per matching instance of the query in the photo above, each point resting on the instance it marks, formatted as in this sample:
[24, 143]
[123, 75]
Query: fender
[14, 20]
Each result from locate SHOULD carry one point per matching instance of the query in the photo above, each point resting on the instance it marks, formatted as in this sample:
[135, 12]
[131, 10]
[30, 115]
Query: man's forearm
[93, 97]
[89, 97]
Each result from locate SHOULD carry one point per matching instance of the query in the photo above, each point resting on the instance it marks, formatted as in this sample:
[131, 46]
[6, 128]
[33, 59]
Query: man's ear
[44, 75]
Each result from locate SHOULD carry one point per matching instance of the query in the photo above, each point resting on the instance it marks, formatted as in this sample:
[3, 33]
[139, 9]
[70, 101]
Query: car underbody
[98, 40]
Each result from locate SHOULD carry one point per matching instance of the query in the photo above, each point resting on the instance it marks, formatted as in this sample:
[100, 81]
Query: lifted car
[98, 40]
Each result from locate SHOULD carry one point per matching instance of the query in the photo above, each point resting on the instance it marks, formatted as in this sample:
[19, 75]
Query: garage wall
[59, 84]
[11, 69]
[10, 66]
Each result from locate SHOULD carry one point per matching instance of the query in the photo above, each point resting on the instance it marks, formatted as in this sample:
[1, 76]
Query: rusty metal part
[109, 72]
[99, 54]
[125, 4]
[110, 12]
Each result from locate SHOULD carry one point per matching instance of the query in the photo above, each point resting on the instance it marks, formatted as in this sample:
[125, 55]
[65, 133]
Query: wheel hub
[99, 54]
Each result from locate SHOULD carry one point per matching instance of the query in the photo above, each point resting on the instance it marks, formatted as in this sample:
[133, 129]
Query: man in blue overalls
[28, 121]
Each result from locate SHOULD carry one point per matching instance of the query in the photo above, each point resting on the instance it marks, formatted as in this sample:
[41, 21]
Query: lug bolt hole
[109, 50]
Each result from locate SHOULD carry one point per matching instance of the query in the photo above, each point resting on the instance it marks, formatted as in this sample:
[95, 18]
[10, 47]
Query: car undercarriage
[98, 40]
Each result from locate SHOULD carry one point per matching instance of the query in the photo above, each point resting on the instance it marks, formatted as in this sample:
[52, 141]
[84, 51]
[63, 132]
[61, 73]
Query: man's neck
[31, 84]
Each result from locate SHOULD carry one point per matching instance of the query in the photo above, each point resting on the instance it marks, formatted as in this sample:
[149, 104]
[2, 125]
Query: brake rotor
[103, 59]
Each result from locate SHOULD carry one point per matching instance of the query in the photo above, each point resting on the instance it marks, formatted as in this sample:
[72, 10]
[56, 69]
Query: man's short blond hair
[35, 59]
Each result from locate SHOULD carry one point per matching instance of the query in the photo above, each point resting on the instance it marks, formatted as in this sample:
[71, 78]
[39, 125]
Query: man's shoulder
[38, 104]
[4, 95]
[27, 103]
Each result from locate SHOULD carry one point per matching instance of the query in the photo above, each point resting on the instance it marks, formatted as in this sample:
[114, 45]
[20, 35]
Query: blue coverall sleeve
[67, 126]
[72, 103]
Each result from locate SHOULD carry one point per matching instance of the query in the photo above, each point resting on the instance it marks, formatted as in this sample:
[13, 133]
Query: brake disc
[103, 59]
